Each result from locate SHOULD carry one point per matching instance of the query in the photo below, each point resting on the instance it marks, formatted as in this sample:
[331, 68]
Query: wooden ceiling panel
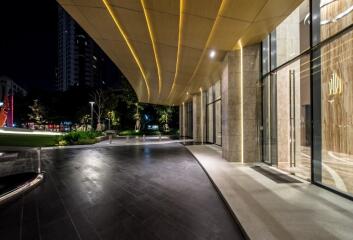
[102, 22]
[146, 55]
[117, 47]
[245, 10]
[170, 7]
[66, 2]
[147, 58]
[167, 56]
[196, 31]
[134, 24]
[167, 84]
[165, 27]
[189, 59]
[89, 3]
[258, 30]
[227, 32]
[110, 48]
[127, 4]
[195, 8]
[276, 8]
[206, 25]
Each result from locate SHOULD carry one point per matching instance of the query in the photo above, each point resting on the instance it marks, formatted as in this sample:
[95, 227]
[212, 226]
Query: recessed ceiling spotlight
[187, 93]
[212, 53]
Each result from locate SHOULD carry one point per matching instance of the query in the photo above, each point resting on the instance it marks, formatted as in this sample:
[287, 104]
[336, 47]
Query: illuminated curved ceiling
[162, 46]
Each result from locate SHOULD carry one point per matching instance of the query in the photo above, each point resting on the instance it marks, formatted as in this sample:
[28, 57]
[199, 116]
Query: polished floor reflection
[126, 192]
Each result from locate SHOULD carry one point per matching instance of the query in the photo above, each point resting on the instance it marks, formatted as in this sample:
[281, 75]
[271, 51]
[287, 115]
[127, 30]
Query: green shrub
[78, 137]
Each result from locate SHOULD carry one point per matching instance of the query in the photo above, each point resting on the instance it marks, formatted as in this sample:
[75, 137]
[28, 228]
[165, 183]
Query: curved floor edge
[245, 235]
[21, 189]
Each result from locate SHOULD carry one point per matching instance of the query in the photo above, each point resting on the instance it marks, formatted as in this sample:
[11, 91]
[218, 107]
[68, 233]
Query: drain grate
[275, 175]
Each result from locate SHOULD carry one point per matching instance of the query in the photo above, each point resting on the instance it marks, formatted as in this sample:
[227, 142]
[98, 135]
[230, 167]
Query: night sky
[28, 39]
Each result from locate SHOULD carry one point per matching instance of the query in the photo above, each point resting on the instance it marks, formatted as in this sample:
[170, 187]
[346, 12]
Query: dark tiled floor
[130, 192]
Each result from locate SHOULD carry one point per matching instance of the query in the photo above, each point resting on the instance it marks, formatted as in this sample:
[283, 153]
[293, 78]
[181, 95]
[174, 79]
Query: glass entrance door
[269, 120]
[294, 118]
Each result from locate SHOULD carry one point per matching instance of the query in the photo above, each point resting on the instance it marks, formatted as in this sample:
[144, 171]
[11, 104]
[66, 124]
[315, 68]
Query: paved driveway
[127, 192]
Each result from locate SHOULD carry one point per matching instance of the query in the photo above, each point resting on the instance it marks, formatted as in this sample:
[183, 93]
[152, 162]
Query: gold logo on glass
[335, 85]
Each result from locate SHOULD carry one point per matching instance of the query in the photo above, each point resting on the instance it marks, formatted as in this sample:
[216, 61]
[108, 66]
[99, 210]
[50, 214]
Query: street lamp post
[91, 103]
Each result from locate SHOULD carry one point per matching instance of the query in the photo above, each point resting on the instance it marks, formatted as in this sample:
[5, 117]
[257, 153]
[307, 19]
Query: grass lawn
[27, 140]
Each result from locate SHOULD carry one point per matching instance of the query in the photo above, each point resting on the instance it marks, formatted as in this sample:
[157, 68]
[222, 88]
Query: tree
[99, 100]
[165, 114]
[137, 117]
[113, 118]
[85, 120]
[36, 113]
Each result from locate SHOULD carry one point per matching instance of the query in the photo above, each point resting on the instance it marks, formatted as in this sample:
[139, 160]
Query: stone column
[240, 105]
[199, 111]
[181, 125]
[183, 119]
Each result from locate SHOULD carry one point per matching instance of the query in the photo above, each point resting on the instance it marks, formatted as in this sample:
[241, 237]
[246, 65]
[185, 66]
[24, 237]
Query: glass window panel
[294, 118]
[268, 121]
[293, 34]
[217, 90]
[336, 71]
[266, 55]
[335, 15]
[210, 95]
[273, 48]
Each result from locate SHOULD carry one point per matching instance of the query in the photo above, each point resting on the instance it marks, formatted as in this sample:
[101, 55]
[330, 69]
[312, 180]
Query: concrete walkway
[270, 210]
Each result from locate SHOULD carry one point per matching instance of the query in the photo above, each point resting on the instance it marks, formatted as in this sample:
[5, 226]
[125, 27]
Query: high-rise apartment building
[79, 58]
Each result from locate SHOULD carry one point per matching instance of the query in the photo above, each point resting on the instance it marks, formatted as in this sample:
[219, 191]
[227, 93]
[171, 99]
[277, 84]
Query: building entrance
[287, 118]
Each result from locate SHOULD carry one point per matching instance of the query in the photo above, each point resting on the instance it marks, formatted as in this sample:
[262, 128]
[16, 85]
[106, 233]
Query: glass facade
[214, 114]
[291, 37]
[307, 94]
[336, 71]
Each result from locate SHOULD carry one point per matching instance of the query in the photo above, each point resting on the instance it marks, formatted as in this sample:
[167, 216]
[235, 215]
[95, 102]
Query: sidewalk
[270, 210]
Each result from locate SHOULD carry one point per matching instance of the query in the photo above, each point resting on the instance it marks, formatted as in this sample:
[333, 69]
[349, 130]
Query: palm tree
[113, 118]
[137, 117]
[164, 116]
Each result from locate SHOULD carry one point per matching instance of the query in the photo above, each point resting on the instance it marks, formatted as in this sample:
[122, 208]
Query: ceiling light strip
[153, 40]
[132, 50]
[242, 102]
[210, 36]
[181, 10]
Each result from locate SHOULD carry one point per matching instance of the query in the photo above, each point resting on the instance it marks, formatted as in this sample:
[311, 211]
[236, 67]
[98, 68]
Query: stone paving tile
[126, 192]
